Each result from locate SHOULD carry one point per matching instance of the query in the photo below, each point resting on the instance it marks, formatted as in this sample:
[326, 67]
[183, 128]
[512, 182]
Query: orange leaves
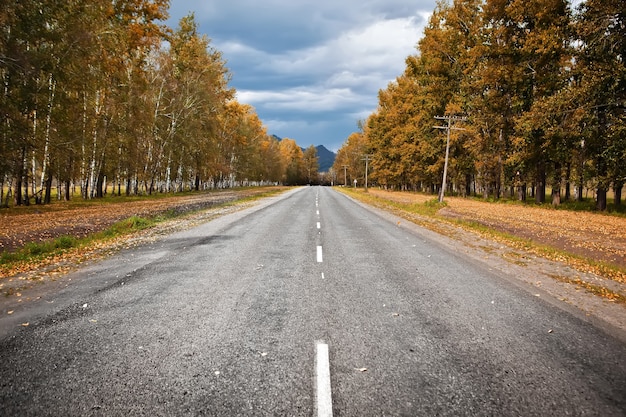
[590, 235]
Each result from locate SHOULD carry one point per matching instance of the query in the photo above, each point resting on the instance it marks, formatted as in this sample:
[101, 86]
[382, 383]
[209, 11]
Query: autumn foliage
[101, 95]
[542, 91]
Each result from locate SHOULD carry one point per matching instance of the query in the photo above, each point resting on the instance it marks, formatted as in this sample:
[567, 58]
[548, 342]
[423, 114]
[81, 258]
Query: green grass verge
[34, 251]
[37, 250]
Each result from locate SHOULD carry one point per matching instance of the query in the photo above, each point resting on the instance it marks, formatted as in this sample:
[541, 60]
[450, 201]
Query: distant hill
[325, 157]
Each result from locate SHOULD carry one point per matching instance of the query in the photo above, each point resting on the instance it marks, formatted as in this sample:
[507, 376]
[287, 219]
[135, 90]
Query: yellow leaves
[589, 242]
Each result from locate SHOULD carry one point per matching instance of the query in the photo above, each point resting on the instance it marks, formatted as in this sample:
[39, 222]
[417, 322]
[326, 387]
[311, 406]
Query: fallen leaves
[20, 226]
[610, 295]
[558, 235]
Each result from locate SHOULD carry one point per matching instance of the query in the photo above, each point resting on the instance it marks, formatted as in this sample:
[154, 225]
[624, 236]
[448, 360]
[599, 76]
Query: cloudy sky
[312, 69]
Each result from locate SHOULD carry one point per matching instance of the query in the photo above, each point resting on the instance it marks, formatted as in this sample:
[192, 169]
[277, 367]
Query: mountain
[325, 157]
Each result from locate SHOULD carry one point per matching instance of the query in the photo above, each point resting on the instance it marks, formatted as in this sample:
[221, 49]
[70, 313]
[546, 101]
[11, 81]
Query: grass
[34, 251]
[37, 250]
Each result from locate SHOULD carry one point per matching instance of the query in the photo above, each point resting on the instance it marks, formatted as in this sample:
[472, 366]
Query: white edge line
[324, 392]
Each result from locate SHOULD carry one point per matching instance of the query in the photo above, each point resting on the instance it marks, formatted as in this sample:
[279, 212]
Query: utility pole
[345, 177]
[448, 128]
[367, 159]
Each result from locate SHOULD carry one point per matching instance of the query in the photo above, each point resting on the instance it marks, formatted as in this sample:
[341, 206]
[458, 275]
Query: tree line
[539, 92]
[100, 96]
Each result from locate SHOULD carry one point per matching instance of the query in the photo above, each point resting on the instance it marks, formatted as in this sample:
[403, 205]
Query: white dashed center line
[319, 254]
[319, 225]
[324, 393]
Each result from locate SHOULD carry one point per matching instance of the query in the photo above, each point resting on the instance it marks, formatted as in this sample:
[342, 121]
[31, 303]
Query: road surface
[307, 304]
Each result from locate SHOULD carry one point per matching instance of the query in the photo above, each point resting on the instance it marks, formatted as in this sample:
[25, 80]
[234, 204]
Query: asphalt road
[308, 304]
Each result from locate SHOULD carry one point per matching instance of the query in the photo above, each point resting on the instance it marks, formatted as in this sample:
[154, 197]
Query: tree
[408, 152]
[348, 162]
[311, 165]
[542, 39]
[93, 95]
[600, 89]
[292, 162]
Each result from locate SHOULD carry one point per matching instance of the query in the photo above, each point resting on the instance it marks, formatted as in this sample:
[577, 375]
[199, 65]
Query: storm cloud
[312, 69]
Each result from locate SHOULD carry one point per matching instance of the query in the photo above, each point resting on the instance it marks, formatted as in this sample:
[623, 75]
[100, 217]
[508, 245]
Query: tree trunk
[617, 190]
[601, 198]
[26, 198]
[99, 185]
[556, 185]
[540, 192]
[84, 186]
[45, 170]
[68, 185]
[568, 183]
[521, 192]
[47, 199]
[7, 197]
[19, 179]
[556, 196]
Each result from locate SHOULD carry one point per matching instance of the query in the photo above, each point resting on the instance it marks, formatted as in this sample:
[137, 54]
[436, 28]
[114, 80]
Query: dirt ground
[40, 223]
[594, 236]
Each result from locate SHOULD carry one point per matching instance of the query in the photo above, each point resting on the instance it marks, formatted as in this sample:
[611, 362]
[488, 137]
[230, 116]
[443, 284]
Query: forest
[100, 96]
[531, 92]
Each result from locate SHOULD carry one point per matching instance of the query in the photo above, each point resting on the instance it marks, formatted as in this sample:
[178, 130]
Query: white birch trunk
[92, 165]
[83, 163]
[46, 150]
[33, 166]
[168, 173]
